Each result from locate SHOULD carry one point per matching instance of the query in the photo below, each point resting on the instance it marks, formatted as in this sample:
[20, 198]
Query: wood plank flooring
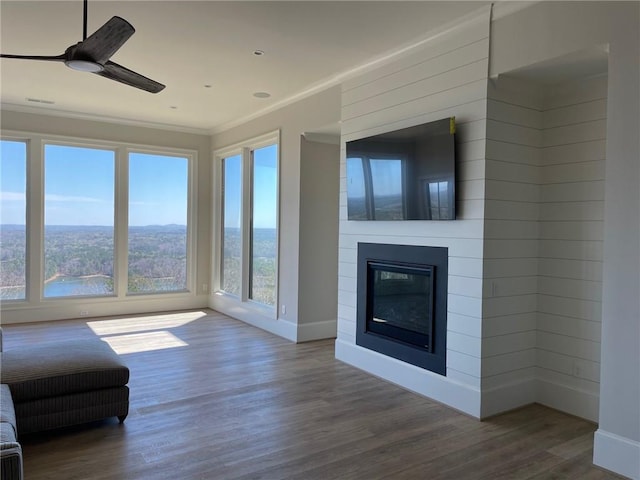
[214, 398]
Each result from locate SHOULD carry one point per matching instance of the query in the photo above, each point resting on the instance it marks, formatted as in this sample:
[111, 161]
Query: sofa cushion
[61, 368]
[8, 437]
[7, 414]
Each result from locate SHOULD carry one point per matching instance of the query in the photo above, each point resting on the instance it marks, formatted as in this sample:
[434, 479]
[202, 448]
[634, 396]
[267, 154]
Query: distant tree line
[157, 255]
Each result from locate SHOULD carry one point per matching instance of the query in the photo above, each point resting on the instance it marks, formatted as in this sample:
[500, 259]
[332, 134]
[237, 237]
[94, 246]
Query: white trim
[567, 399]
[322, 138]
[508, 397]
[258, 141]
[121, 222]
[253, 314]
[308, 332]
[617, 454]
[90, 142]
[12, 107]
[504, 8]
[437, 387]
[101, 307]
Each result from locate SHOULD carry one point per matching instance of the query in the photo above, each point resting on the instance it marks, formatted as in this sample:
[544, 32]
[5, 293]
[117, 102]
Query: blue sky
[77, 195]
[386, 174]
[158, 186]
[12, 182]
[265, 198]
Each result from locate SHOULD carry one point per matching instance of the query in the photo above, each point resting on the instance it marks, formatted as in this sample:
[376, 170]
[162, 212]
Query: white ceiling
[189, 44]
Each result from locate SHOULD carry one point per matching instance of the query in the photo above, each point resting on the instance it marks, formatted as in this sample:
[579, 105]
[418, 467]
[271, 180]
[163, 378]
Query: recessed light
[258, 53]
[262, 95]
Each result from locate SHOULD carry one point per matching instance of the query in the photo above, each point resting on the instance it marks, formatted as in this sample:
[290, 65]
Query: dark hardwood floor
[214, 398]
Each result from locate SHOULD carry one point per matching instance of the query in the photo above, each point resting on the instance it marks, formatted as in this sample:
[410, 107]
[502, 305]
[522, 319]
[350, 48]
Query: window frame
[245, 150]
[192, 215]
[27, 287]
[35, 220]
[218, 273]
[42, 261]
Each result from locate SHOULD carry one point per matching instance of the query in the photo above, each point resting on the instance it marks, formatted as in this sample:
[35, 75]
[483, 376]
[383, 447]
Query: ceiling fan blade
[121, 74]
[47, 58]
[104, 42]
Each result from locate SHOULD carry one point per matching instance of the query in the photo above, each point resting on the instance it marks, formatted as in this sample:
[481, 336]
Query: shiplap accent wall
[447, 76]
[512, 193]
[543, 245]
[571, 241]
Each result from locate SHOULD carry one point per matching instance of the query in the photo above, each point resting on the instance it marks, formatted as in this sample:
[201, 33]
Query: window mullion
[247, 159]
[121, 222]
[35, 219]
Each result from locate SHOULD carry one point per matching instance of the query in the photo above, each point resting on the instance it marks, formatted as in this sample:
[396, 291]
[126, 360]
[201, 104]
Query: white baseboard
[617, 454]
[254, 315]
[437, 387]
[308, 332]
[508, 397]
[91, 307]
[570, 400]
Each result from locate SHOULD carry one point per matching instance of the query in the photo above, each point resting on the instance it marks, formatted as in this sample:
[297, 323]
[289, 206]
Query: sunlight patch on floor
[143, 324]
[144, 342]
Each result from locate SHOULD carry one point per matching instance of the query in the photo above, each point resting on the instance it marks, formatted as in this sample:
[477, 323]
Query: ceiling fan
[92, 54]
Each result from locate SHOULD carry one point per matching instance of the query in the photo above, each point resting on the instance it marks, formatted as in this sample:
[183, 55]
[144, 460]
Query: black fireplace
[402, 303]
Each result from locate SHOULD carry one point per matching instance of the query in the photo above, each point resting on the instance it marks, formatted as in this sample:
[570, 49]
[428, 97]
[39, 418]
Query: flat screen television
[407, 174]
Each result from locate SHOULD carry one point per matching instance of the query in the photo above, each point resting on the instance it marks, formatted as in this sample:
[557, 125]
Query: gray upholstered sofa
[57, 385]
[10, 450]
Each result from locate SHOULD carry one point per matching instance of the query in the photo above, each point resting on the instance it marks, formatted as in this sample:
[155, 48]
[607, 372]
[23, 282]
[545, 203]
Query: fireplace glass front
[402, 303]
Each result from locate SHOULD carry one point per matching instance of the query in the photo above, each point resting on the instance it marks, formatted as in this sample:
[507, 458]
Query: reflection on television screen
[406, 174]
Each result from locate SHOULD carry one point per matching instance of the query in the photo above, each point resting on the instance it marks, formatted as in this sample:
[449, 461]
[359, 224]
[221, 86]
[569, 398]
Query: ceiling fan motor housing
[83, 63]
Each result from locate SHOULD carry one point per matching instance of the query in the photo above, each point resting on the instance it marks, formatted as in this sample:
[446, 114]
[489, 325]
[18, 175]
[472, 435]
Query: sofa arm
[11, 461]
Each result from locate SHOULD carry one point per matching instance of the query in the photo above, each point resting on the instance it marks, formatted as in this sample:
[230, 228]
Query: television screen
[406, 174]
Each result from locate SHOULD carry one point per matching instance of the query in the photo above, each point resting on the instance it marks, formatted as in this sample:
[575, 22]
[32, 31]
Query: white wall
[318, 261]
[572, 177]
[552, 29]
[445, 77]
[512, 193]
[309, 114]
[48, 125]
[543, 244]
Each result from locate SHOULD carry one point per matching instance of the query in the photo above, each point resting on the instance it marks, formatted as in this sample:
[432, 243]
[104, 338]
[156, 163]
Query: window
[157, 233]
[436, 194]
[248, 252]
[230, 274]
[79, 185]
[376, 188]
[13, 214]
[387, 186]
[85, 223]
[264, 225]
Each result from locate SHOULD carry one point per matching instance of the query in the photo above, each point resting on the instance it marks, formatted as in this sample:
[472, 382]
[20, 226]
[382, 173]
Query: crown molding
[12, 107]
[504, 8]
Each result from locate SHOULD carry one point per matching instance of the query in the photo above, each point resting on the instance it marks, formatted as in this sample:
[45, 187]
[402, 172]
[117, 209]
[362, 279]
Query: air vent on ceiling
[39, 100]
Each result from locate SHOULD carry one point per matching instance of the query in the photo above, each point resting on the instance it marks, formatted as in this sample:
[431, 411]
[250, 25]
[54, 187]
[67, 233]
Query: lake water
[64, 287]
[84, 286]
[70, 286]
